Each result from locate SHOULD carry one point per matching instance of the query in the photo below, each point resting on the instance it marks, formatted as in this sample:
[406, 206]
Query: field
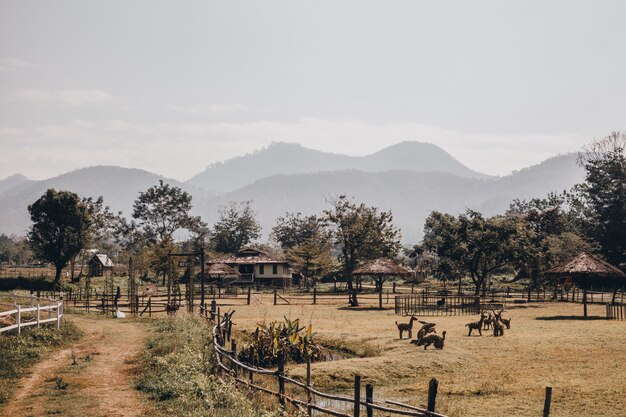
[548, 345]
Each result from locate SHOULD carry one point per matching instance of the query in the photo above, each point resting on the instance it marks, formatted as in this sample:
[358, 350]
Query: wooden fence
[29, 311]
[436, 305]
[286, 389]
[615, 311]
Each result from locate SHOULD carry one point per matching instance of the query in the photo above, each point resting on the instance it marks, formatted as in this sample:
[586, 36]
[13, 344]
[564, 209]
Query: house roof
[103, 259]
[381, 266]
[586, 264]
[250, 256]
[222, 269]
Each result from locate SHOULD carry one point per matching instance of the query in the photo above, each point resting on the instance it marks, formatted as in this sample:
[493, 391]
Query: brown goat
[476, 325]
[406, 327]
[506, 322]
[431, 339]
[488, 322]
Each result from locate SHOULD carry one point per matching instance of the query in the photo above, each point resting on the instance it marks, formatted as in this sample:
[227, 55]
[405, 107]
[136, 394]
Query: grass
[177, 371]
[584, 361]
[19, 353]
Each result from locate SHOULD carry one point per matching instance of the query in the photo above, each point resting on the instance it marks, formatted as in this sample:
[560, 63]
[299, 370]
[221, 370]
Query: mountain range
[410, 178]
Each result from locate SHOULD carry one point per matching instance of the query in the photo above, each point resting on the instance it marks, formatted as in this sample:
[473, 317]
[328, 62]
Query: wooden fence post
[274, 296]
[233, 348]
[249, 295]
[309, 397]
[369, 399]
[281, 380]
[314, 295]
[357, 395]
[38, 314]
[432, 394]
[546, 404]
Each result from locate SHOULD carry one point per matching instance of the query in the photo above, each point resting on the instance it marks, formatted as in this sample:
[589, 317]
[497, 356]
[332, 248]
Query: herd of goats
[427, 335]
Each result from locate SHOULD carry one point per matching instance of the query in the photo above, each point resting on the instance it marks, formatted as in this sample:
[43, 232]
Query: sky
[172, 87]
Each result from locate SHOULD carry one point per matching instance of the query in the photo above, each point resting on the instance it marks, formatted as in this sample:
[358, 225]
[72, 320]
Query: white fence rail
[32, 314]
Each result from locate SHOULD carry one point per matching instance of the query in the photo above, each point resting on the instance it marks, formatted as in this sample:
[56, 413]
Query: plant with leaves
[268, 340]
[295, 229]
[473, 244]
[235, 228]
[361, 233]
[601, 199]
[313, 258]
[60, 227]
[162, 209]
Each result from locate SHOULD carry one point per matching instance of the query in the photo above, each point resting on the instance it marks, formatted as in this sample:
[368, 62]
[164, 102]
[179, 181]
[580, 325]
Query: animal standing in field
[498, 326]
[432, 339]
[406, 327]
[441, 303]
[488, 322]
[506, 322]
[476, 325]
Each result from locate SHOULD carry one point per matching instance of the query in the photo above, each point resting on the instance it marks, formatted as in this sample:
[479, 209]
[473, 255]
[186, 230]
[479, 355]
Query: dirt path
[99, 384]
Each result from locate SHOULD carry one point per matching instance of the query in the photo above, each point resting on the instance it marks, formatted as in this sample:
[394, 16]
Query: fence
[426, 304]
[615, 311]
[31, 314]
[276, 382]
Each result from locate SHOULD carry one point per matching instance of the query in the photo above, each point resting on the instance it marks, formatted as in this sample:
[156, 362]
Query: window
[261, 269]
[275, 269]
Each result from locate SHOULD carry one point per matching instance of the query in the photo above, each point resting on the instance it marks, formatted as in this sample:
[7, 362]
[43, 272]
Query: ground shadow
[550, 318]
[518, 306]
[365, 308]
[21, 283]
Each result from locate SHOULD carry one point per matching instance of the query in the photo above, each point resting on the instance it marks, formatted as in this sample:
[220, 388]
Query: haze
[172, 87]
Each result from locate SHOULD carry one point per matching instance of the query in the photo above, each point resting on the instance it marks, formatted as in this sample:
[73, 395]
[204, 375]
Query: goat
[406, 327]
[506, 322]
[488, 322]
[431, 339]
[476, 325]
[426, 328]
[441, 303]
[498, 326]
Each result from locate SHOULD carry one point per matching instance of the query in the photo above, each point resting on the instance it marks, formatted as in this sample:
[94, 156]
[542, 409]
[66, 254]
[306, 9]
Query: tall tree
[295, 229]
[235, 228]
[603, 195]
[162, 209]
[473, 244]
[59, 231]
[361, 233]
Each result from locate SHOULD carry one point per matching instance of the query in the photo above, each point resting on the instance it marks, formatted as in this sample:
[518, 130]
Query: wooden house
[99, 264]
[257, 266]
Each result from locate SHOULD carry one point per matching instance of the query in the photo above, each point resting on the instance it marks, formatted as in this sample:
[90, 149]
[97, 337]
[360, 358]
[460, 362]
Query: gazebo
[221, 271]
[381, 269]
[585, 269]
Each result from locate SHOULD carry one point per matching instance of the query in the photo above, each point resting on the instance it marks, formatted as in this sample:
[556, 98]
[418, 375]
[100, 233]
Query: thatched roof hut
[220, 270]
[585, 269]
[381, 269]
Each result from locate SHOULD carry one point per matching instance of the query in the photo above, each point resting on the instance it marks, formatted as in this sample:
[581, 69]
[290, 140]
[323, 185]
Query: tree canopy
[235, 228]
[60, 225]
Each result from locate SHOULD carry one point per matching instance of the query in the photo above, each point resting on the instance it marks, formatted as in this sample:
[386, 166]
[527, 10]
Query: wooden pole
[202, 279]
[281, 380]
[38, 314]
[548, 401]
[585, 302]
[274, 295]
[369, 399]
[233, 347]
[19, 319]
[432, 394]
[314, 295]
[357, 395]
[249, 295]
[309, 397]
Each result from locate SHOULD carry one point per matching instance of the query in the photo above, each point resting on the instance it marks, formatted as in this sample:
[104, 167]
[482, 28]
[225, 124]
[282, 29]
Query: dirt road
[91, 378]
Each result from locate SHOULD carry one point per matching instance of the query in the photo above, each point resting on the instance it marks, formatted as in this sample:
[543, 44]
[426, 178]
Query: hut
[223, 274]
[256, 265]
[585, 270]
[381, 269]
[99, 264]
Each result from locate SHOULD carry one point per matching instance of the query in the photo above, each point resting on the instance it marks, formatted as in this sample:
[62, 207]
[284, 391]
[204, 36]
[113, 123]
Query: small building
[257, 266]
[99, 264]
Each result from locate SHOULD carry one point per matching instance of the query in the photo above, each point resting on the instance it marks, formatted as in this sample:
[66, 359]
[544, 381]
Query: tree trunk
[380, 293]
[57, 277]
[585, 301]
[352, 291]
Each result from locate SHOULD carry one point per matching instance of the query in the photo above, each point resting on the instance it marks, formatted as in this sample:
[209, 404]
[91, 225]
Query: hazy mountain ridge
[410, 195]
[288, 158]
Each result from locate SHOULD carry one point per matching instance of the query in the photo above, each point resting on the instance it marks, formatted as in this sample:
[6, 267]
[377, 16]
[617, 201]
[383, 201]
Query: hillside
[13, 181]
[118, 186]
[287, 158]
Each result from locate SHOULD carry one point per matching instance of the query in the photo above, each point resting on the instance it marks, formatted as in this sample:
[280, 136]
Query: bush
[177, 372]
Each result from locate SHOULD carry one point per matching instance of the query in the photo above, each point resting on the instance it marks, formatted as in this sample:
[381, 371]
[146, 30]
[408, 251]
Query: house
[99, 264]
[255, 265]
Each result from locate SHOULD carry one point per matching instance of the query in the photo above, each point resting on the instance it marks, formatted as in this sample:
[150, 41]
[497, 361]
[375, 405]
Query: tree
[473, 244]
[603, 196]
[59, 230]
[162, 210]
[295, 229]
[361, 233]
[235, 228]
[312, 258]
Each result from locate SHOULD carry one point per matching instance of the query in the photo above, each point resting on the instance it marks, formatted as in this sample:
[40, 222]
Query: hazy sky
[173, 86]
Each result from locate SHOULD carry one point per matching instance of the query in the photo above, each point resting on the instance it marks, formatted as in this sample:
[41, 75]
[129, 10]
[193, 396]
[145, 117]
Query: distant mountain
[287, 158]
[409, 194]
[118, 186]
[14, 180]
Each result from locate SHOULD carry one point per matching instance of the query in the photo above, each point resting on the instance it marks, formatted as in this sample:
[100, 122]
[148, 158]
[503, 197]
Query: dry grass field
[548, 345]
